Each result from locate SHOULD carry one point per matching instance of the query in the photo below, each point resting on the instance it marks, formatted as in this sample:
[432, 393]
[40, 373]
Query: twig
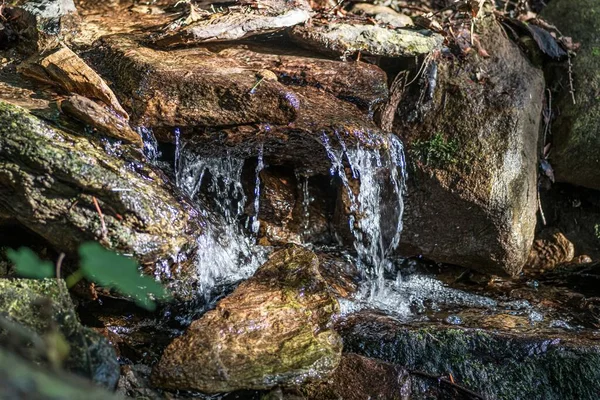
[104, 232]
[446, 381]
[571, 87]
[541, 210]
[61, 257]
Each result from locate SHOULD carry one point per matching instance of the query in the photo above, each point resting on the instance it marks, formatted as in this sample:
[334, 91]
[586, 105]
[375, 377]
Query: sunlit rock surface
[46, 309]
[273, 329]
[54, 182]
[471, 144]
[576, 132]
[344, 39]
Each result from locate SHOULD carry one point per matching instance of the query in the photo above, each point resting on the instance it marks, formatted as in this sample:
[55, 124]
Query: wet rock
[100, 118]
[46, 309]
[273, 329]
[341, 39]
[21, 379]
[583, 278]
[340, 272]
[53, 182]
[383, 15]
[550, 249]
[322, 120]
[292, 208]
[234, 24]
[494, 365]
[63, 68]
[357, 82]
[359, 378]
[576, 132]
[42, 24]
[471, 143]
[192, 87]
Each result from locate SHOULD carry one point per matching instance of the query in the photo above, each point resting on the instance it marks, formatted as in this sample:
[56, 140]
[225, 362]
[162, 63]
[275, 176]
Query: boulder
[576, 131]
[190, 87]
[496, 365]
[471, 134]
[68, 190]
[45, 308]
[272, 330]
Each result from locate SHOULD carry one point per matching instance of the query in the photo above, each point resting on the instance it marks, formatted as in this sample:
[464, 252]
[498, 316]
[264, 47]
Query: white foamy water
[375, 172]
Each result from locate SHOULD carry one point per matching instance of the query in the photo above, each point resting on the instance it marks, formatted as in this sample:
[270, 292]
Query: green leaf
[120, 273]
[29, 265]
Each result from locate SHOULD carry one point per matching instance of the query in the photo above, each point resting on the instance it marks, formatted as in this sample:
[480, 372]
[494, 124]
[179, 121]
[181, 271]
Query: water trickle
[255, 224]
[150, 143]
[306, 199]
[366, 189]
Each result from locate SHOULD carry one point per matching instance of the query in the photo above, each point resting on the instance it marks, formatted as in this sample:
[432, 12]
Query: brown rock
[321, 118]
[190, 87]
[549, 250]
[63, 68]
[357, 82]
[273, 329]
[471, 200]
[359, 378]
[99, 118]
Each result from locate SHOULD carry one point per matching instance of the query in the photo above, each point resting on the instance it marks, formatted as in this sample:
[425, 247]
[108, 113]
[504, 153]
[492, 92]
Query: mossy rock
[53, 183]
[272, 330]
[22, 379]
[576, 142]
[43, 307]
[496, 365]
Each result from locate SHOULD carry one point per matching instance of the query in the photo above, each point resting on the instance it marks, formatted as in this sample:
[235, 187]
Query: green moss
[437, 152]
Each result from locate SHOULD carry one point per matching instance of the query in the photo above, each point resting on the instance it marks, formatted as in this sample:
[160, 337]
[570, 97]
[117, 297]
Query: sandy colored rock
[65, 69]
[273, 329]
[100, 118]
[383, 15]
[344, 39]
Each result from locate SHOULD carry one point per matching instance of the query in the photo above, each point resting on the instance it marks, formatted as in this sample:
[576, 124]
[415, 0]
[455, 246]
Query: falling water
[255, 224]
[366, 206]
[225, 254]
[150, 143]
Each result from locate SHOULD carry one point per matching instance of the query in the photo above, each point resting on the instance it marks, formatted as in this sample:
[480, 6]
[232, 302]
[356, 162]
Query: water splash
[150, 143]
[367, 190]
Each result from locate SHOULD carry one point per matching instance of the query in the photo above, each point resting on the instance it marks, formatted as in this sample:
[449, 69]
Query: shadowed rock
[495, 365]
[23, 379]
[43, 308]
[576, 132]
[273, 329]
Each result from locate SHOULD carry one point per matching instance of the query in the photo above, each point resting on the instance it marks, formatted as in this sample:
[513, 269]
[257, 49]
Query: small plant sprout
[98, 265]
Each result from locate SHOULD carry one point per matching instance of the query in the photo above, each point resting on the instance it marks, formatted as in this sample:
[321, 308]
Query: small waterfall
[225, 253]
[369, 170]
